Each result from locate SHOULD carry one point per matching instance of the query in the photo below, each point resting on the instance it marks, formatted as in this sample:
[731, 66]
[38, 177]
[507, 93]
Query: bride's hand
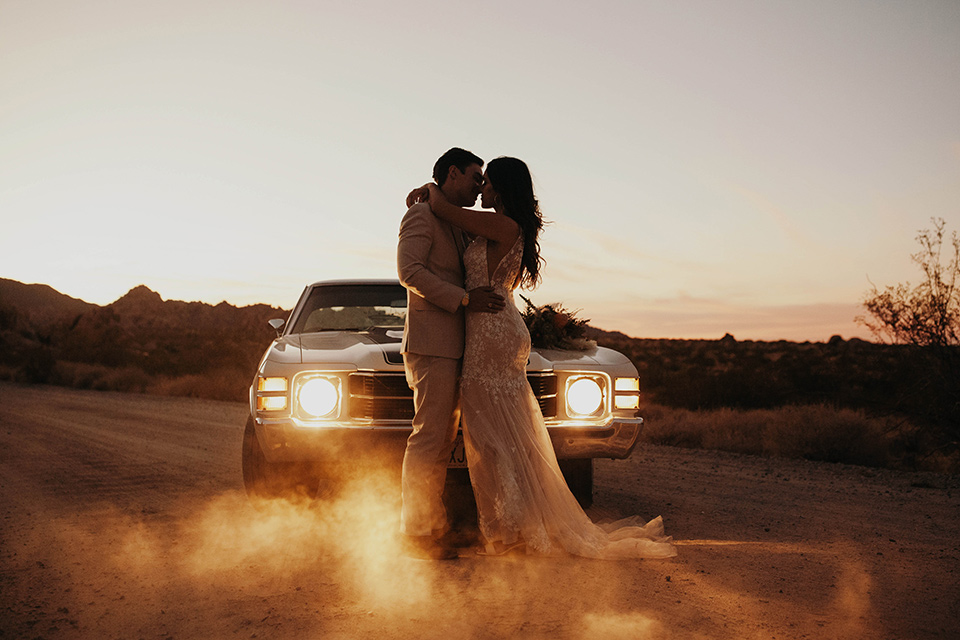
[429, 192]
[420, 194]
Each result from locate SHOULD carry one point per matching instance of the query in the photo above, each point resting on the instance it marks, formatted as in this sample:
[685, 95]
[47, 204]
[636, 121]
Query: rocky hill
[140, 342]
[38, 304]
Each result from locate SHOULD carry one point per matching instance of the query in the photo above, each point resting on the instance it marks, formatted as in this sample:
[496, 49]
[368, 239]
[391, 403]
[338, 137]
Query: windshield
[352, 307]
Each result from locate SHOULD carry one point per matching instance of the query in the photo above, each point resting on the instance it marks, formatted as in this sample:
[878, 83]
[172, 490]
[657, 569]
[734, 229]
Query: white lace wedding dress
[520, 491]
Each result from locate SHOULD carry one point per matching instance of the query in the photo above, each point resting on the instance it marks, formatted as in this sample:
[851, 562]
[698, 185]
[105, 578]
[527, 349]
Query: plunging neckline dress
[520, 491]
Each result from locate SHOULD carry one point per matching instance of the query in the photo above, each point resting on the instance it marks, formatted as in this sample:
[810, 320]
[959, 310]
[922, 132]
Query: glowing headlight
[319, 397]
[584, 396]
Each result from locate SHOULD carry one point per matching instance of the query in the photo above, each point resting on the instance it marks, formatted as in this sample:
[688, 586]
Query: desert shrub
[81, 375]
[38, 365]
[129, 379]
[820, 432]
[812, 432]
[219, 384]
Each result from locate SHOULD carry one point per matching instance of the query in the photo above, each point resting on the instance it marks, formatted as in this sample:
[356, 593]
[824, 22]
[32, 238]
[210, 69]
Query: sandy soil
[123, 516]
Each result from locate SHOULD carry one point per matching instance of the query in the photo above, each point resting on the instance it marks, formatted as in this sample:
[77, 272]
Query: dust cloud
[225, 567]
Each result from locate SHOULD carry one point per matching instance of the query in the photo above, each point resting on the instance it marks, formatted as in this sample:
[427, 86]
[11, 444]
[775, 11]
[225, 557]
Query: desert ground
[124, 516]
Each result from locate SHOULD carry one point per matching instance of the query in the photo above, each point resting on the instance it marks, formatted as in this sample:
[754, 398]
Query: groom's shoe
[426, 548]
[460, 538]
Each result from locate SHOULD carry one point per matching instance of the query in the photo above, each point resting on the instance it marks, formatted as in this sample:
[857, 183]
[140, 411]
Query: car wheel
[579, 476]
[266, 480]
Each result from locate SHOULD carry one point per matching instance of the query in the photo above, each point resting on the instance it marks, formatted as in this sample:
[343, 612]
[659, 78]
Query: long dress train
[520, 491]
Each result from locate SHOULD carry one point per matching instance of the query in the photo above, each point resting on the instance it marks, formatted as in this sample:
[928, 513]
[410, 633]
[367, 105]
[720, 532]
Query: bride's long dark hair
[513, 184]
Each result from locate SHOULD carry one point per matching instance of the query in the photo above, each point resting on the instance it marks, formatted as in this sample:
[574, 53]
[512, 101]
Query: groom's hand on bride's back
[484, 300]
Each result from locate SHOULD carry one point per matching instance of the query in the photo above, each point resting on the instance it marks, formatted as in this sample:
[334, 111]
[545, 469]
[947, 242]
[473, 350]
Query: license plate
[458, 457]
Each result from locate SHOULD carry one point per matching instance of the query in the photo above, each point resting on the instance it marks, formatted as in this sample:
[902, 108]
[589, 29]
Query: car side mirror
[277, 324]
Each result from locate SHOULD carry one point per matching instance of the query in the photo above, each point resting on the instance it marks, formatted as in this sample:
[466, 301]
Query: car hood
[360, 349]
[543, 359]
[379, 349]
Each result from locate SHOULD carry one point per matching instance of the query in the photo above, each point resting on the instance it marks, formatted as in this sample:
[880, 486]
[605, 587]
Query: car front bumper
[616, 440]
[282, 441]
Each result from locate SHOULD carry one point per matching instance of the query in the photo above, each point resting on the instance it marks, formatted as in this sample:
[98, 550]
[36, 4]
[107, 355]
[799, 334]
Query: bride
[522, 498]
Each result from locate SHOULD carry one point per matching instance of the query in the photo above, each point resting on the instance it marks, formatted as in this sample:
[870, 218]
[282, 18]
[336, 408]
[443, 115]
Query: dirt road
[123, 516]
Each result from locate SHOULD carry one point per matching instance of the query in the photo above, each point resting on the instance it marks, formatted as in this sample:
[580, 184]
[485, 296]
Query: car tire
[579, 476]
[264, 480]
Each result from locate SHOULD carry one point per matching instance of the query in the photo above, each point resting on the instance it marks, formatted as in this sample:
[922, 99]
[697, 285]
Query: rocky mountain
[140, 342]
[38, 304]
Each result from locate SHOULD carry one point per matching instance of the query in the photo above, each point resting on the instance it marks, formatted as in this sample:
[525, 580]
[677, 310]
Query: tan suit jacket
[430, 267]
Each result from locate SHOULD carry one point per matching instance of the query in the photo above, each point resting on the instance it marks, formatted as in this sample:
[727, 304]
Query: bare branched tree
[927, 316]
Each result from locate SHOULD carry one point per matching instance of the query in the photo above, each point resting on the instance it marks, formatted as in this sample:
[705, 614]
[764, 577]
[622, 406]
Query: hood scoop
[389, 340]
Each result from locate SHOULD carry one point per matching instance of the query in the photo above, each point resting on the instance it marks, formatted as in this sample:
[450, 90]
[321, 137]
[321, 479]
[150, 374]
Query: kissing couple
[465, 350]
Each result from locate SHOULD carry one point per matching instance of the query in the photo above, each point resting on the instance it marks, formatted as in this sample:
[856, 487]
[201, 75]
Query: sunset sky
[708, 167]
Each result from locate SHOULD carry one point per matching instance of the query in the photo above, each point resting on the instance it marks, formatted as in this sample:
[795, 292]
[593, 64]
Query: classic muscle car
[330, 392]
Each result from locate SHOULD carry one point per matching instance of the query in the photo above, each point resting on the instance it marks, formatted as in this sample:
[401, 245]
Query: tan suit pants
[435, 382]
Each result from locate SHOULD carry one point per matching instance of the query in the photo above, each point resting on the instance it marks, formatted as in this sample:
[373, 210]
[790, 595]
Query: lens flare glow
[319, 397]
[584, 396]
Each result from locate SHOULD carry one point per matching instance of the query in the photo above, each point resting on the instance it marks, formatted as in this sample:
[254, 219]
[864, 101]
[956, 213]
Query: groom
[429, 262]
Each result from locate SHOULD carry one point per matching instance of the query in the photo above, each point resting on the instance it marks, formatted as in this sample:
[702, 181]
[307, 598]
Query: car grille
[544, 387]
[386, 396]
[380, 396]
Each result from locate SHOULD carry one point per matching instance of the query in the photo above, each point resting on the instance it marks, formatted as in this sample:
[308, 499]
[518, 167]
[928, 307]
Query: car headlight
[584, 396]
[319, 396]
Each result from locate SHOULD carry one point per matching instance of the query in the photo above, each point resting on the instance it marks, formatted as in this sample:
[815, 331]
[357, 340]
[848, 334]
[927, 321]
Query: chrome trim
[616, 440]
[613, 439]
[382, 425]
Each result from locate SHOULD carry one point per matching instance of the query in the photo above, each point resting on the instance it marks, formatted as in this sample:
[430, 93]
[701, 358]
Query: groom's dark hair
[456, 157]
